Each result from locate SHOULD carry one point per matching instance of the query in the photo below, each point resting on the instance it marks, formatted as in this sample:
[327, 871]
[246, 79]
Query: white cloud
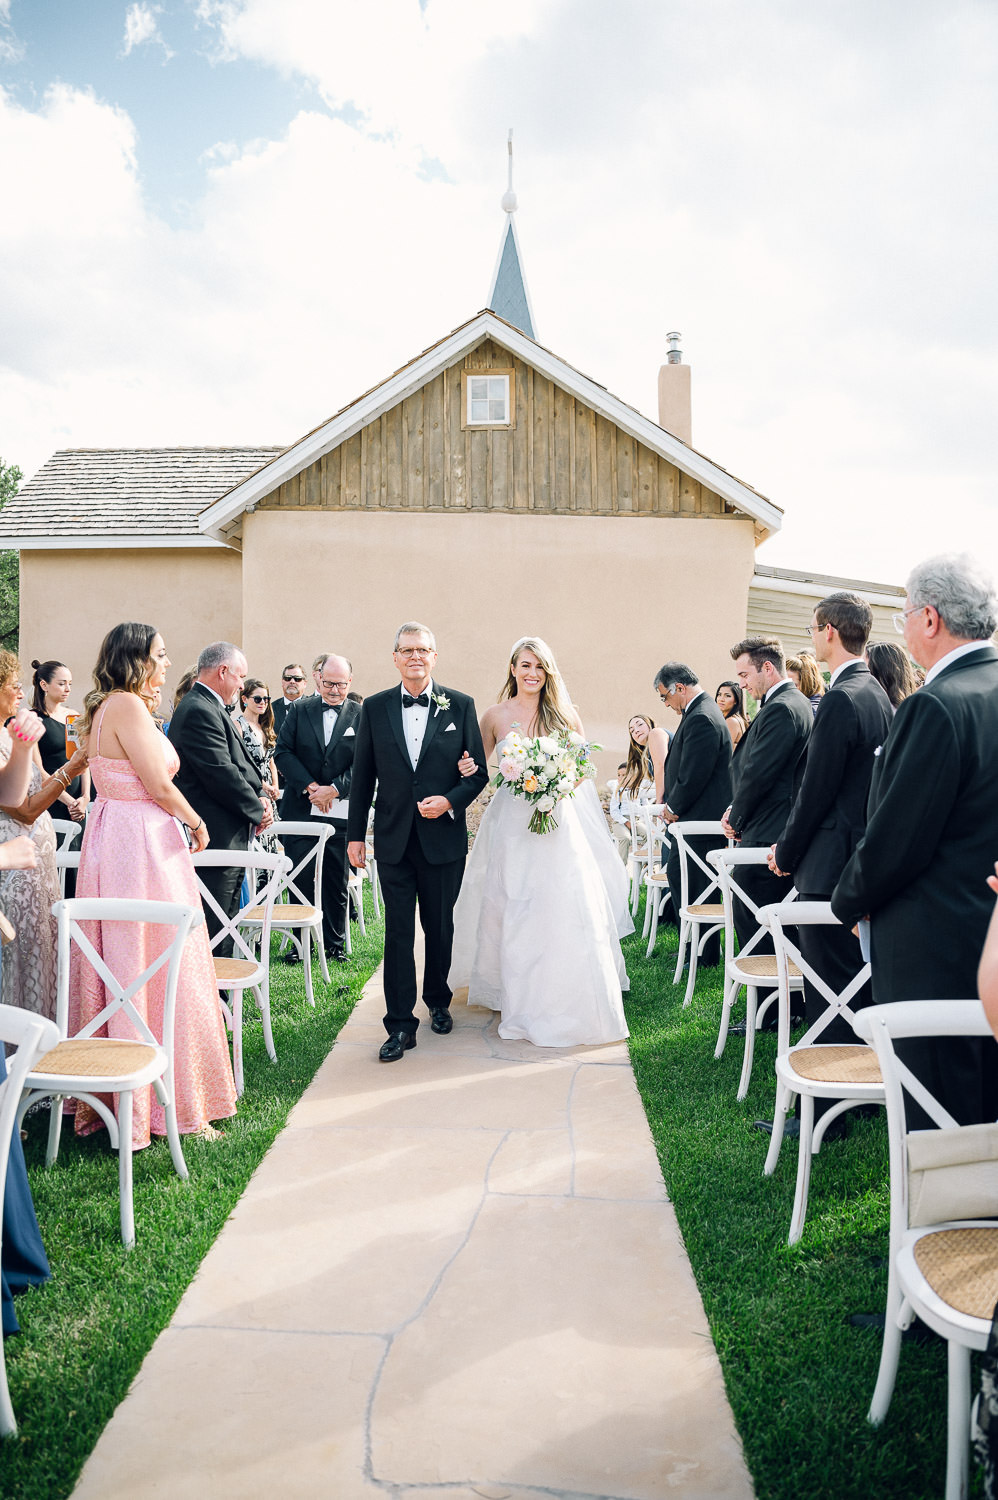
[142, 29]
[11, 49]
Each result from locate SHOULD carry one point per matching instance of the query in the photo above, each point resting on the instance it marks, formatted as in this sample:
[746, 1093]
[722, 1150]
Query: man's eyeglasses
[326, 684]
[259, 698]
[292, 678]
[410, 651]
[900, 619]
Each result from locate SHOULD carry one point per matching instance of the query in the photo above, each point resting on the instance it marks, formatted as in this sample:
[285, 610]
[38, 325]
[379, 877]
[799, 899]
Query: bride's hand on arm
[466, 765]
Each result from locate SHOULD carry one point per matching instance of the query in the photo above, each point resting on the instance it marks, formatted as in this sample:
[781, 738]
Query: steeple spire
[508, 295]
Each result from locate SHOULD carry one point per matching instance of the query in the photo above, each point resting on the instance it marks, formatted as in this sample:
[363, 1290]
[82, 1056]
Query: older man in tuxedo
[920, 872]
[410, 740]
[217, 775]
[697, 772]
[314, 756]
[293, 689]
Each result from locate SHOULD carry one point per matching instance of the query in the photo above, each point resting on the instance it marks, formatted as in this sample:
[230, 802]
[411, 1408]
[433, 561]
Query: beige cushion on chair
[952, 1174]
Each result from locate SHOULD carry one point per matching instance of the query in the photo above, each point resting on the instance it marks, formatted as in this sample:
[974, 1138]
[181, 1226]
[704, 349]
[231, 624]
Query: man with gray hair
[217, 775]
[920, 872]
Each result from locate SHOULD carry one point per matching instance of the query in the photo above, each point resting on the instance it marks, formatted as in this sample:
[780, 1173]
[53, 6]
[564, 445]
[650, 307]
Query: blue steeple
[508, 295]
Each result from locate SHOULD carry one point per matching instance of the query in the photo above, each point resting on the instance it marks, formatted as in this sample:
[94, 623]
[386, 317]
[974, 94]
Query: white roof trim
[108, 539]
[820, 590]
[415, 375]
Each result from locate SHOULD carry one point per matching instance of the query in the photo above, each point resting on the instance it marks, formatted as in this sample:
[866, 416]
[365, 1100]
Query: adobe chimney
[674, 403]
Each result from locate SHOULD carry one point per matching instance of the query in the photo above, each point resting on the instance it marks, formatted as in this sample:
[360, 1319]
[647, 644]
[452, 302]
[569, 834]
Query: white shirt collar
[428, 690]
[952, 656]
[698, 694]
[843, 667]
[783, 682]
[210, 690]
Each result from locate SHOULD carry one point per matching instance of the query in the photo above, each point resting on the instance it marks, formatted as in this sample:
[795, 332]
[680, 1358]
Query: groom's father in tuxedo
[697, 778]
[315, 758]
[409, 741]
[920, 871]
[217, 775]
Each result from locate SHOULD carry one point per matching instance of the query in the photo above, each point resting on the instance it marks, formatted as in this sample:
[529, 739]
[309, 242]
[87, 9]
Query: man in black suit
[920, 871]
[409, 742]
[217, 775]
[293, 685]
[765, 763]
[315, 759]
[697, 785]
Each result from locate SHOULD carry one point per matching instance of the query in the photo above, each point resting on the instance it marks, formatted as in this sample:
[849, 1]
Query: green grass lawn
[799, 1377]
[85, 1333]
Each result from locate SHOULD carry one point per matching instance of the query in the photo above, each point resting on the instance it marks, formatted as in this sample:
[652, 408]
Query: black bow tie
[422, 701]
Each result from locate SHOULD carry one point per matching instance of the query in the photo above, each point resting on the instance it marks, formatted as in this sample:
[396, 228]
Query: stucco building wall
[613, 596]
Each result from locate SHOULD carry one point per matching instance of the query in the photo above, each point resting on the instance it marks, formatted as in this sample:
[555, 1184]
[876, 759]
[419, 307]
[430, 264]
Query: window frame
[502, 372]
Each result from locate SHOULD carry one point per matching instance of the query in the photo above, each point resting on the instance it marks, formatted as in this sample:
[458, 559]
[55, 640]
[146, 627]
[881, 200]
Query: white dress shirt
[328, 722]
[414, 721]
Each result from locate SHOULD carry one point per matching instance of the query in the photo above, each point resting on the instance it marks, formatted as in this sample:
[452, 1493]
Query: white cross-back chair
[846, 1072]
[249, 966]
[355, 898]
[66, 859]
[700, 918]
[86, 1065]
[943, 1265]
[372, 868]
[292, 914]
[756, 971]
[654, 838]
[642, 854]
[32, 1035]
[67, 831]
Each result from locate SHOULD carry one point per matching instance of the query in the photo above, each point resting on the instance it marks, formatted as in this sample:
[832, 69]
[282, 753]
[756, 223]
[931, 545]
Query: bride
[538, 922]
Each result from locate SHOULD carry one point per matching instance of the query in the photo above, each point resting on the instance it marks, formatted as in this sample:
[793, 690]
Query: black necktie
[423, 701]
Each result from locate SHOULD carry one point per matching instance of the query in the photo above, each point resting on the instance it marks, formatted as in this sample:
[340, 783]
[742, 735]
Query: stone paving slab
[455, 1277]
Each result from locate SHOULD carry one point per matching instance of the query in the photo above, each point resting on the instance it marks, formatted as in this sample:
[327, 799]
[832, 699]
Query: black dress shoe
[397, 1043]
[336, 956]
[441, 1020]
[791, 1129]
[291, 958]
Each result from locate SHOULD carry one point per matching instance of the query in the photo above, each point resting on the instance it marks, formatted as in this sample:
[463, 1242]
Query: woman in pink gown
[134, 847]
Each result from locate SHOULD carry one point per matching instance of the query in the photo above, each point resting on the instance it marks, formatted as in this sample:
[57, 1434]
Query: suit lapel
[316, 721]
[393, 708]
[343, 718]
[431, 722]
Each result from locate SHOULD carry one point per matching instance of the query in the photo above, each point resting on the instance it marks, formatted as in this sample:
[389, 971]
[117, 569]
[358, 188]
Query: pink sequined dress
[133, 849]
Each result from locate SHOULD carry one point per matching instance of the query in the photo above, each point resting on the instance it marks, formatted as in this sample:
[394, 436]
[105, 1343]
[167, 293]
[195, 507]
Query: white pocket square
[451, 729]
[351, 730]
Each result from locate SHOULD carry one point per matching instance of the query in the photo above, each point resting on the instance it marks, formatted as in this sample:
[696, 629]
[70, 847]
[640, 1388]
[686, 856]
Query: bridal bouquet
[544, 771]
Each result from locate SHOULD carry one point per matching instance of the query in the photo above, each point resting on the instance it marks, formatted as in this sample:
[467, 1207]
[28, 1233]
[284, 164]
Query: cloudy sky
[223, 219]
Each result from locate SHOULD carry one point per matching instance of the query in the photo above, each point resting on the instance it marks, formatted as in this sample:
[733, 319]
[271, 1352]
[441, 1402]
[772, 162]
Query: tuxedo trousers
[414, 882]
[335, 873]
[765, 889]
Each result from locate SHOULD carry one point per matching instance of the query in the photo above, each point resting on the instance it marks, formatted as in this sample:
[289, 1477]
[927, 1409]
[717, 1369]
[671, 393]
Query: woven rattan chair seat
[284, 911]
[227, 969]
[706, 909]
[847, 1064]
[961, 1266]
[763, 966]
[96, 1057]
[639, 851]
[658, 877]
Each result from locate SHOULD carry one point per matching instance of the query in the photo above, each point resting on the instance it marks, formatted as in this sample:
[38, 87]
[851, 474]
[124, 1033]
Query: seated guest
[892, 668]
[619, 830]
[52, 684]
[293, 685]
[646, 755]
[729, 700]
[807, 679]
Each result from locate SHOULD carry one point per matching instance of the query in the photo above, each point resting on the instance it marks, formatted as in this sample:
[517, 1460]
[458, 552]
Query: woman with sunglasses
[256, 723]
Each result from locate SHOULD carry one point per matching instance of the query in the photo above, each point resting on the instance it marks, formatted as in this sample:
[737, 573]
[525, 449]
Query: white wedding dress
[538, 923]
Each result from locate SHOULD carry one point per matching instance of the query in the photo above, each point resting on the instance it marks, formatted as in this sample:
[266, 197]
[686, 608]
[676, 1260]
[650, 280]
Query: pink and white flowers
[544, 771]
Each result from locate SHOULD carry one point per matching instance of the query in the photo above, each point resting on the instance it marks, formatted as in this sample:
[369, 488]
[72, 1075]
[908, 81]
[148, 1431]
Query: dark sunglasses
[292, 678]
[256, 698]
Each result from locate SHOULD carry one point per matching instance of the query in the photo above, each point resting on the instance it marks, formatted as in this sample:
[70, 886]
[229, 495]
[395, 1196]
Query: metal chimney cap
[675, 355]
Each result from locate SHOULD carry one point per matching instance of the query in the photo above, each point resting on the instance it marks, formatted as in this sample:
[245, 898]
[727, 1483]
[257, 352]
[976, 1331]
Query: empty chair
[702, 915]
[292, 914]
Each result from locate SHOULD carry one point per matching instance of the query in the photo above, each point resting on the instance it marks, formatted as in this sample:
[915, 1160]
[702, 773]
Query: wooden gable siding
[788, 615]
[561, 458]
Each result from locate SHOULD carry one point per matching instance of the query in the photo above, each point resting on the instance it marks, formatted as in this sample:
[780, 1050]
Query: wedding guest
[52, 684]
[134, 847]
[729, 700]
[806, 678]
[647, 749]
[28, 893]
[619, 800]
[891, 667]
[293, 683]
[256, 723]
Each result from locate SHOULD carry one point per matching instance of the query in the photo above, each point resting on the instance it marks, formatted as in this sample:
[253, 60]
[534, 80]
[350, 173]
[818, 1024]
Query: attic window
[487, 398]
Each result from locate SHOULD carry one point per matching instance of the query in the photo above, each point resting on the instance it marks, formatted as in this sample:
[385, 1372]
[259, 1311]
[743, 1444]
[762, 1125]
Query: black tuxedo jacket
[829, 811]
[920, 870]
[280, 713]
[698, 765]
[217, 775]
[382, 757]
[764, 765]
[302, 756]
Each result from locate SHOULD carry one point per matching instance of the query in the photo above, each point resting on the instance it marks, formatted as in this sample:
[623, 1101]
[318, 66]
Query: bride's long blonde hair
[555, 714]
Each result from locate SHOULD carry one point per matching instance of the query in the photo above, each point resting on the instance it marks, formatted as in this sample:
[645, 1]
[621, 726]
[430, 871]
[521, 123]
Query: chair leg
[55, 1129]
[347, 939]
[684, 936]
[306, 955]
[262, 993]
[751, 1000]
[803, 1168]
[958, 1420]
[125, 1168]
[694, 959]
[731, 988]
[236, 1011]
[8, 1424]
[656, 898]
[361, 928]
[322, 952]
[375, 892]
[164, 1090]
[783, 1098]
[897, 1317]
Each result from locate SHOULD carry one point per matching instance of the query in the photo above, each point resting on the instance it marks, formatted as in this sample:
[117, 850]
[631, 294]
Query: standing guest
[256, 723]
[293, 684]
[52, 684]
[729, 700]
[357, 698]
[921, 869]
[697, 776]
[27, 894]
[763, 772]
[409, 741]
[133, 847]
[803, 673]
[315, 757]
[892, 669]
[829, 812]
[648, 746]
[218, 775]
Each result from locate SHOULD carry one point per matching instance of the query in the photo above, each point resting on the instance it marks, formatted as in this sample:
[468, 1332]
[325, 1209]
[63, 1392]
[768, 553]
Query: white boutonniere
[442, 701]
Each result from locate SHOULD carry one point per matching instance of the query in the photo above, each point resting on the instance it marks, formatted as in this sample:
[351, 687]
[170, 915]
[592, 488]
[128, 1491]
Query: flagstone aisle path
[454, 1276]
